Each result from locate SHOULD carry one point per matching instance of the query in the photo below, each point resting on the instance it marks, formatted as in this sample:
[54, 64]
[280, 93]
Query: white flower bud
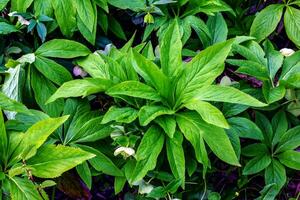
[287, 52]
[124, 151]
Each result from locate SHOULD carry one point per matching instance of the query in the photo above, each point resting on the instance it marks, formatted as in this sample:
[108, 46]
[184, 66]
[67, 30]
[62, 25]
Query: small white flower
[106, 50]
[77, 71]
[124, 151]
[12, 13]
[287, 52]
[23, 21]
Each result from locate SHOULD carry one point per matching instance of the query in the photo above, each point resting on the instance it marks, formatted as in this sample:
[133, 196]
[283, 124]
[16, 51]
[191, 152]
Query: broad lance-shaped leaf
[266, 21]
[290, 159]
[11, 105]
[147, 153]
[275, 173]
[168, 123]
[20, 5]
[292, 24]
[81, 87]
[52, 70]
[203, 69]
[23, 189]
[289, 140]
[101, 162]
[216, 138]
[36, 135]
[208, 112]
[224, 94]
[134, 89]
[175, 154]
[149, 113]
[170, 50]
[65, 15]
[257, 164]
[62, 48]
[121, 115]
[51, 161]
[151, 74]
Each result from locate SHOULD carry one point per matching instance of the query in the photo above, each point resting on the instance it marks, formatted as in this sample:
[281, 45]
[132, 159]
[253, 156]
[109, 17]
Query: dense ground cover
[150, 99]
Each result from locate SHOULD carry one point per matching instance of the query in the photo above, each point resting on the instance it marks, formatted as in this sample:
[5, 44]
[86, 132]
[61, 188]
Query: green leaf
[62, 48]
[101, 162]
[225, 94]
[147, 153]
[80, 87]
[87, 19]
[20, 5]
[135, 5]
[65, 14]
[6, 28]
[168, 123]
[84, 172]
[51, 161]
[208, 112]
[23, 189]
[43, 7]
[218, 28]
[170, 50]
[266, 21]
[119, 184]
[3, 139]
[273, 94]
[116, 28]
[3, 4]
[275, 173]
[175, 154]
[43, 89]
[292, 24]
[265, 126]
[290, 159]
[90, 131]
[11, 105]
[280, 126]
[257, 164]
[255, 150]
[52, 70]
[191, 124]
[42, 31]
[94, 65]
[203, 69]
[151, 74]
[121, 115]
[134, 89]
[149, 113]
[36, 135]
[244, 128]
[289, 140]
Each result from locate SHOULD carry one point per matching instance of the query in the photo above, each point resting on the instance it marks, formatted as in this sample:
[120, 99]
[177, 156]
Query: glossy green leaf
[257, 164]
[122, 115]
[289, 140]
[292, 25]
[23, 189]
[290, 159]
[208, 112]
[80, 87]
[134, 89]
[149, 113]
[52, 70]
[266, 21]
[175, 154]
[168, 123]
[3, 138]
[226, 94]
[147, 153]
[51, 161]
[6, 28]
[275, 173]
[62, 48]
[65, 14]
[11, 105]
[170, 50]
[20, 5]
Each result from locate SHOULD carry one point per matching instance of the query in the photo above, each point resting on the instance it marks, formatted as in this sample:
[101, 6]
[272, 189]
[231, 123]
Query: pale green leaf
[51, 161]
[149, 113]
[62, 48]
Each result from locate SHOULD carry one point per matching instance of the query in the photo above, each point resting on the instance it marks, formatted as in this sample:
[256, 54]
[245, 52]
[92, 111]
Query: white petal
[287, 52]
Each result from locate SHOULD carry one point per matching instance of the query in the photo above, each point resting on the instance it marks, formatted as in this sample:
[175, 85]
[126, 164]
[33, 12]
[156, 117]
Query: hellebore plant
[170, 99]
